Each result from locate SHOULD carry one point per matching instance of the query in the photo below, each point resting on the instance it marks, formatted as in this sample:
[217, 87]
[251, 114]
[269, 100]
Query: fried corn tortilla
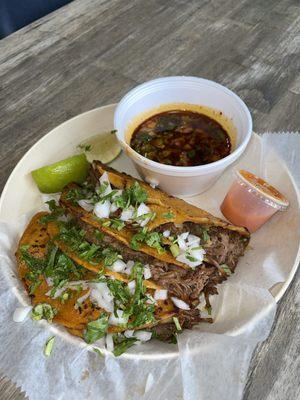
[36, 239]
[170, 214]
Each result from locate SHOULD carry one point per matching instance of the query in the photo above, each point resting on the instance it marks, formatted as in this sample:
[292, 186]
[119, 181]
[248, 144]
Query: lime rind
[52, 178]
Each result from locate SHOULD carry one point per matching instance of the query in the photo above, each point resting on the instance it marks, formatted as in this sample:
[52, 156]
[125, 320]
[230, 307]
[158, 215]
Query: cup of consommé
[182, 132]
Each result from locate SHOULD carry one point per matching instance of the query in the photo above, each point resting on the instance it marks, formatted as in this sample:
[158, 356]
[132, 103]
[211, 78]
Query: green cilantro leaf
[168, 215]
[123, 345]
[49, 346]
[43, 311]
[55, 210]
[96, 329]
[98, 351]
[226, 269]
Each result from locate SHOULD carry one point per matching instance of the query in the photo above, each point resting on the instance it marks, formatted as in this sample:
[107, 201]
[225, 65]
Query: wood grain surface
[91, 52]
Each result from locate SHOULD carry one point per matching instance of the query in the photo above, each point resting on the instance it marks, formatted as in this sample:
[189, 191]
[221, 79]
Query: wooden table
[91, 52]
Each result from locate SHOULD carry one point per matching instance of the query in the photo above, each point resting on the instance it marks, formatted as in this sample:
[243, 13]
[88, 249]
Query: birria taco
[118, 257]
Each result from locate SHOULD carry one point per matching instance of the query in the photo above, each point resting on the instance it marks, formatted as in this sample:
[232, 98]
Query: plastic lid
[263, 189]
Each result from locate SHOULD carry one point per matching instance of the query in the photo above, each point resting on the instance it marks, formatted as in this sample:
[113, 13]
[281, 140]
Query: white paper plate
[20, 195]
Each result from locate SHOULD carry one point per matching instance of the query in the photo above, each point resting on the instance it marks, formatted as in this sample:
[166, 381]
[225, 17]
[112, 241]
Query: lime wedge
[52, 178]
[103, 147]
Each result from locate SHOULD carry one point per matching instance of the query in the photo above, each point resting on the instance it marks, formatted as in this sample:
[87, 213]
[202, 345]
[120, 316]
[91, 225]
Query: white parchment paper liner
[213, 359]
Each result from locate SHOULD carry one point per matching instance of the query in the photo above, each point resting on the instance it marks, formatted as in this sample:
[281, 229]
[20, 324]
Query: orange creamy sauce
[247, 209]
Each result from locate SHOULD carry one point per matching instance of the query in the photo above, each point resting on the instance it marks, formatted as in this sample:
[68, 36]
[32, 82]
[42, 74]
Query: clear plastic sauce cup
[251, 201]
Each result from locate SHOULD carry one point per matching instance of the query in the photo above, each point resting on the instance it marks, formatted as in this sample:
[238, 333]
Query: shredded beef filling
[224, 246]
[187, 319]
[184, 284]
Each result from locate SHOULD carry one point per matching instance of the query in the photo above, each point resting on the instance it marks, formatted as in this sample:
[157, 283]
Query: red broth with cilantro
[181, 138]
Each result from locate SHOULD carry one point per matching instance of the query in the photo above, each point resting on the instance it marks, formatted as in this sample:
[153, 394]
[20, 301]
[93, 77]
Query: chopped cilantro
[99, 235]
[36, 267]
[86, 191]
[106, 223]
[138, 195]
[190, 258]
[119, 291]
[174, 249]
[152, 239]
[96, 329]
[56, 212]
[43, 311]
[177, 324]
[208, 309]
[85, 147]
[117, 224]
[226, 269]
[205, 236]
[137, 273]
[110, 256]
[168, 215]
[123, 345]
[61, 268]
[49, 346]
[98, 351]
[33, 286]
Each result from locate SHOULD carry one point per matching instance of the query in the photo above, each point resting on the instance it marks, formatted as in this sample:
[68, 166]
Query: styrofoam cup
[182, 181]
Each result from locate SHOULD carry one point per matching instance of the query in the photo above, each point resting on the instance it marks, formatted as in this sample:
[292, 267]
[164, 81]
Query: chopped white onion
[49, 197]
[86, 205]
[81, 299]
[142, 209]
[113, 208]
[180, 303]
[102, 210]
[184, 235]
[118, 266]
[129, 333]
[127, 214]
[101, 295]
[69, 285]
[129, 266]
[202, 303]
[118, 193]
[104, 179]
[143, 336]
[109, 342]
[49, 281]
[181, 243]
[58, 292]
[149, 382]
[198, 255]
[21, 313]
[72, 284]
[166, 233]
[147, 272]
[193, 241]
[131, 286]
[160, 294]
[119, 320]
[150, 299]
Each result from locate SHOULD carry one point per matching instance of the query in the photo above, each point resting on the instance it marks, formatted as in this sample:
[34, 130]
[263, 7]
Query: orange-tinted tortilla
[53, 231]
[159, 202]
[37, 237]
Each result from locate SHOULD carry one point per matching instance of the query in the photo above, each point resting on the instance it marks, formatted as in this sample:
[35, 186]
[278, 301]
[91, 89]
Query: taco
[70, 283]
[188, 250]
